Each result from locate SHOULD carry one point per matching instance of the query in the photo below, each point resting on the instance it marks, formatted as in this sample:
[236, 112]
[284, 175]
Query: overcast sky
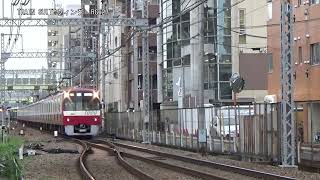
[34, 38]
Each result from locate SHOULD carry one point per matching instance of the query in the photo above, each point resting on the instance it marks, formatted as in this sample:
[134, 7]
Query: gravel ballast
[48, 165]
[104, 166]
[291, 172]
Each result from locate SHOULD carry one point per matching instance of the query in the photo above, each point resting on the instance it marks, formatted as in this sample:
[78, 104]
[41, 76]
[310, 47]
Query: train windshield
[81, 102]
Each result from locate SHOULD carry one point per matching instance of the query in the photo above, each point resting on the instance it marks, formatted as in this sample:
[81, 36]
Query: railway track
[143, 175]
[141, 154]
[86, 149]
[223, 167]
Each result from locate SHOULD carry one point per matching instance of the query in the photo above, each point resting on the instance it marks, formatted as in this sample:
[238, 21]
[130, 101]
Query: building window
[225, 90]
[314, 1]
[209, 25]
[154, 82]
[152, 21]
[225, 71]
[315, 53]
[52, 43]
[185, 25]
[140, 81]
[299, 2]
[139, 54]
[186, 60]
[206, 77]
[52, 33]
[242, 35]
[300, 55]
[177, 62]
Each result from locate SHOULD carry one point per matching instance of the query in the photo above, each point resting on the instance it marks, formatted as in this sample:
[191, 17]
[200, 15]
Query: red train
[75, 111]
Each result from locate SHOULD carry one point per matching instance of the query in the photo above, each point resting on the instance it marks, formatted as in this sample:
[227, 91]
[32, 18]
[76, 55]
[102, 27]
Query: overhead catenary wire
[190, 8]
[89, 62]
[120, 48]
[157, 25]
[17, 33]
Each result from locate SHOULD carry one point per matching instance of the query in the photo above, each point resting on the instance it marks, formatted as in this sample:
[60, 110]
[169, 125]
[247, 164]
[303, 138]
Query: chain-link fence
[251, 131]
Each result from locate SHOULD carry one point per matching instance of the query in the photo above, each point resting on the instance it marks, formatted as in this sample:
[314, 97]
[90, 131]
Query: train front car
[81, 112]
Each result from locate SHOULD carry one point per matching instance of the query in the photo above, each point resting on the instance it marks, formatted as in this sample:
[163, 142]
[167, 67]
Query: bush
[10, 167]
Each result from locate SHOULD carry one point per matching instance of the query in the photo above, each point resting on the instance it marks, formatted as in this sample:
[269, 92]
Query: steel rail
[176, 168]
[83, 155]
[135, 171]
[225, 167]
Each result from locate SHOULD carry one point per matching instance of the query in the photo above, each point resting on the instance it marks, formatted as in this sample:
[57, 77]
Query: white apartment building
[249, 40]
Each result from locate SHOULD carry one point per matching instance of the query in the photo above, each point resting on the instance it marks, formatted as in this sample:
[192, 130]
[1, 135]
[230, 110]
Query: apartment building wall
[306, 59]
[114, 69]
[180, 52]
[249, 41]
[55, 44]
[307, 69]
[119, 75]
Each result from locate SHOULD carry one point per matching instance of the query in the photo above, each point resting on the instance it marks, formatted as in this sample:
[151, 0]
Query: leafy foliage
[9, 166]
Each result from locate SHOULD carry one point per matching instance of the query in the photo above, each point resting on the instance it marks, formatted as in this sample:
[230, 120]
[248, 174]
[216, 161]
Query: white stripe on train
[81, 113]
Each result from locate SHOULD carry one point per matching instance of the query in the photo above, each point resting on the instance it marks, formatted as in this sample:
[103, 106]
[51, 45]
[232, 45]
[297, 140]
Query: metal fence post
[166, 137]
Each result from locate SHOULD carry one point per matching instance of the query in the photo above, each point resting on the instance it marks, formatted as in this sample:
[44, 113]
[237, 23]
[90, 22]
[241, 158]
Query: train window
[50, 106]
[69, 105]
[55, 106]
[81, 103]
[58, 105]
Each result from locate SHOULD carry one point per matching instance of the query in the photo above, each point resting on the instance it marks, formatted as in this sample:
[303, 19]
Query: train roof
[60, 92]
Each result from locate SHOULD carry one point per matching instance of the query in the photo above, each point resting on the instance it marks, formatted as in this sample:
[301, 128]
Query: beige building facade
[249, 41]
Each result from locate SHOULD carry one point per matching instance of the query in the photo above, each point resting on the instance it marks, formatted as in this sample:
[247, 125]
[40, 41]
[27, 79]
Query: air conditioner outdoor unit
[270, 99]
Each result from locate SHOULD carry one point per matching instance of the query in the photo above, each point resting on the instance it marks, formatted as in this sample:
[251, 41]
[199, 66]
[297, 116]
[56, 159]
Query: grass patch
[8, 160]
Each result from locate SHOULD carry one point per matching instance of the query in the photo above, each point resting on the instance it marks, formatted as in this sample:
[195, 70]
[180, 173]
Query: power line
[251, 35]
[277, 24]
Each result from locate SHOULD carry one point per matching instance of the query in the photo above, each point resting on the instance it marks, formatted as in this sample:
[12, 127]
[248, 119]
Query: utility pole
[135, 68]
[135, 71]
[103, 72]
[160, 55]
[146, 80]
[287, 85]
[81, 53]
[69, 59]
[202, 124]
[197, 76]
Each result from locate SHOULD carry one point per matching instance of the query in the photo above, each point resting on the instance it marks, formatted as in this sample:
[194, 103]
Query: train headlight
[68, 119]
[66, 94]
[95, 119]
[95, 94]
